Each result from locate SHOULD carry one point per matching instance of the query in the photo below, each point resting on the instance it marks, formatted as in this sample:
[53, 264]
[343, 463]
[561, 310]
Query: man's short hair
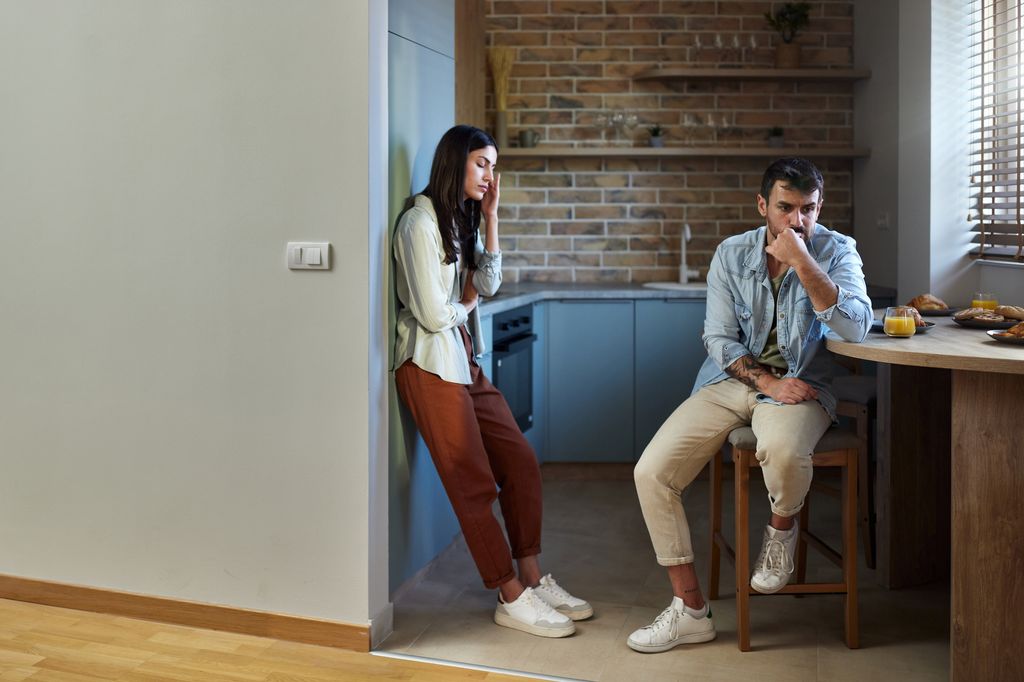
[800, 174]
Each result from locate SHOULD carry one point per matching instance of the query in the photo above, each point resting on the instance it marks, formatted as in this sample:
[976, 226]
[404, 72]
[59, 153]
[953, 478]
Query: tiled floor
[596, 545]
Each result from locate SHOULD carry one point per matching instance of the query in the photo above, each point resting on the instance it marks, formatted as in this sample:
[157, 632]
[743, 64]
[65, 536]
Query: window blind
[997, 145]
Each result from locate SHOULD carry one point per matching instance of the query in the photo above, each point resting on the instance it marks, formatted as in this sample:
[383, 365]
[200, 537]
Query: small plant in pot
[657, 135]
[788, 20]
[775, 137]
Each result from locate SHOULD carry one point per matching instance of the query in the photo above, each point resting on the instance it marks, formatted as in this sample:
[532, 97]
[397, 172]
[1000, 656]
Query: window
[996, 120]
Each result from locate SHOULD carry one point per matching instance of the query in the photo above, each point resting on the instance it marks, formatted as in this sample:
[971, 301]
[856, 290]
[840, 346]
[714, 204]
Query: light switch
[308, 255]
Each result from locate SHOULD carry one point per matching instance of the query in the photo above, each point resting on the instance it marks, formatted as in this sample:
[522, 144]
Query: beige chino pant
[696, 431]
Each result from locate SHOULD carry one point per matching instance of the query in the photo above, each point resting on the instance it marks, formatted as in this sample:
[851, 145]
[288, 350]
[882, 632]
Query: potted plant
[775, 137]
[657, 135]
[788, 20]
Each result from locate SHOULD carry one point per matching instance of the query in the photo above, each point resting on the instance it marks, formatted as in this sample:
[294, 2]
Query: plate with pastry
[982, 318]
[1014, 334]
[930, 306]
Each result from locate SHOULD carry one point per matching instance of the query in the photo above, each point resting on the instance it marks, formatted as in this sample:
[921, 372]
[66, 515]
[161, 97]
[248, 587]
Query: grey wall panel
[430, 23]
[421, 107]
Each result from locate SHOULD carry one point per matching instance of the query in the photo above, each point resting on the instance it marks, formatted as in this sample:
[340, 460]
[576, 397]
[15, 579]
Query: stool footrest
[807, 588]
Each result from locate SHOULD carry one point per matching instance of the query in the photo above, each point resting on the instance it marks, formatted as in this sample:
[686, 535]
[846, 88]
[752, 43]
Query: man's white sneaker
[678, 624]
[561, 601]
[529, 613]
[775, 563]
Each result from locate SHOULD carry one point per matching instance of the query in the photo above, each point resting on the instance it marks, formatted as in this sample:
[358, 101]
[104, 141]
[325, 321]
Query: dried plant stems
[501, 60]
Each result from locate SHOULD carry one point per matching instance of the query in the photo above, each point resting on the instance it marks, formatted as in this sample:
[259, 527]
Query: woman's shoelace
[550, 584]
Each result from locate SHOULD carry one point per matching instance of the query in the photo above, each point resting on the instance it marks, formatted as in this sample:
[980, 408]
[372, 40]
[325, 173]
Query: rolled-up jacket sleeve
[850, 318]
[416, 253]
[721, 328]
[487, 277]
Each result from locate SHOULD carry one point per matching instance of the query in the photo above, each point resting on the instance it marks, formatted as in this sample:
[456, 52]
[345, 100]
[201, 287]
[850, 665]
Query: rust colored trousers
[478, 450]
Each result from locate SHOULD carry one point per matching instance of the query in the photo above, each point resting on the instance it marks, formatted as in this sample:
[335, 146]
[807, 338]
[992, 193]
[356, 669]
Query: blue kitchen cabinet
[669, 353]
[537, 434]
[590, 381]
[486, 361]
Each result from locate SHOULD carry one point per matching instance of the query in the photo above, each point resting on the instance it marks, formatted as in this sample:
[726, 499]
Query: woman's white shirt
[430, 290]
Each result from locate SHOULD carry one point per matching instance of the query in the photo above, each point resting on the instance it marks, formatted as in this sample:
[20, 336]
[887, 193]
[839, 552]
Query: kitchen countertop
[513, 295]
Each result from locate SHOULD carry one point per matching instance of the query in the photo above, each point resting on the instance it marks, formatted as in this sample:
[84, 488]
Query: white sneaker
[775, 563]
[678, 624]
[561, 601]
[532, 614]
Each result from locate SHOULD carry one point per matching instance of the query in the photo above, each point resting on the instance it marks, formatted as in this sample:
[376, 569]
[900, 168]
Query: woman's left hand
[489, 204]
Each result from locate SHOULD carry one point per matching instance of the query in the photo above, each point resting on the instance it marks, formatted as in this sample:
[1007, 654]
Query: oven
[512, 372]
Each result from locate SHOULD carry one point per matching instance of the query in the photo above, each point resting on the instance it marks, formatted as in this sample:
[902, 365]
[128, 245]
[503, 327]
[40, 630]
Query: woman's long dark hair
[457, 220]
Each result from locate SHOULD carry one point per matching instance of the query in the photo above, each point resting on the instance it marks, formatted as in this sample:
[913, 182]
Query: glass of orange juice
[984, 300]
[899, 322]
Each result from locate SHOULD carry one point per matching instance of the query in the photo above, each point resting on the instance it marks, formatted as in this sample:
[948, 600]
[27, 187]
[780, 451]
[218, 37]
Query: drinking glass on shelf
[690, 124]
[899, 322]
[984, 300]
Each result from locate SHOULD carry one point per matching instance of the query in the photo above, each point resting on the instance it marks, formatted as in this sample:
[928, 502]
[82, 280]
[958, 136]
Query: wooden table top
[946, 346]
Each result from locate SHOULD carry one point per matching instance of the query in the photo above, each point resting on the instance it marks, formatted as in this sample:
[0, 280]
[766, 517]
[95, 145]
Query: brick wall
[619, 220]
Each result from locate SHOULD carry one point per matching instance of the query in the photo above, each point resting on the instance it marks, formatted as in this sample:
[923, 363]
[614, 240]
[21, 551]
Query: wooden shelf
[685, 73]
[683, 152]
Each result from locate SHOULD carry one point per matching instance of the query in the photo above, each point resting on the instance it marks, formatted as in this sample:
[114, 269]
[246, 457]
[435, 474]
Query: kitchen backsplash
[620, 219]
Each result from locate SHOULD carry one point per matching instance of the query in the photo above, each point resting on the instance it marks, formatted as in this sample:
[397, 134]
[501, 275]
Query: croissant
[927, 302]
[1011, 312]
[918, 320]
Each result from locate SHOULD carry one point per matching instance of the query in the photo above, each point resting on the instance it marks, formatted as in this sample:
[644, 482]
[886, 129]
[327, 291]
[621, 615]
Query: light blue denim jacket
[741, 309]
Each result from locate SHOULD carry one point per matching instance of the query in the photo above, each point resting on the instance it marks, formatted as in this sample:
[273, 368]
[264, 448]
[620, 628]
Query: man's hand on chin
[789, 248]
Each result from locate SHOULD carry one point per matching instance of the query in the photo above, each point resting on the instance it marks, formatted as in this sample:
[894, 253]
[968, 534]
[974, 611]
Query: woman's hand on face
[489, 204]
[469, 295]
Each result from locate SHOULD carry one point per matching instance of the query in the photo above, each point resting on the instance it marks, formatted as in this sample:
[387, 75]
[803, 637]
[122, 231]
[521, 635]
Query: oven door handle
[515, 345]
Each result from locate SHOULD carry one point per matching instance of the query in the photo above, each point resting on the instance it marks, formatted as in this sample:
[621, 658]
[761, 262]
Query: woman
[442, 269]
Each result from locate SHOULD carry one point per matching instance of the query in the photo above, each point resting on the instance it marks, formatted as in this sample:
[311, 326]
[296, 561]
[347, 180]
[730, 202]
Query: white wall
[914, 140]
[180, 415]
[954, 274]
[876, 190]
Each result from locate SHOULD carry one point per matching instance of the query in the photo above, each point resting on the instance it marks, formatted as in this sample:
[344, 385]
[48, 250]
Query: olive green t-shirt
[771, 355]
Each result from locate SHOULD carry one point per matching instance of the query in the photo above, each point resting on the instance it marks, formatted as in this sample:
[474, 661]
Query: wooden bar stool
[837, 448]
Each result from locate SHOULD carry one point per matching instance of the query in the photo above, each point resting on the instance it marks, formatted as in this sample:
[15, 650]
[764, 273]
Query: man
[773, 294]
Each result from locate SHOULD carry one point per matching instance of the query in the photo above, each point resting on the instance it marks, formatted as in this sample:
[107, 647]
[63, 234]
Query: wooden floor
[47, 644]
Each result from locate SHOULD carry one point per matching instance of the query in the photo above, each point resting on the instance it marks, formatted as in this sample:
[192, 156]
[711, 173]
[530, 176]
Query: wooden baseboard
[188, 613]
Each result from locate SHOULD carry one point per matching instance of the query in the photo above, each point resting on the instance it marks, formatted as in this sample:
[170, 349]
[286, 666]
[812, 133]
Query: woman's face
[479, 172]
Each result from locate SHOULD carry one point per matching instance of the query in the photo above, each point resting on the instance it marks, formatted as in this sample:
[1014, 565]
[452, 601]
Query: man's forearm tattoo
[747, 370]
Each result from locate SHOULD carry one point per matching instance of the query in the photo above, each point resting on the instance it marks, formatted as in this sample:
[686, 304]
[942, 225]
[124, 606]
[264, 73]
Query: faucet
[685, 273]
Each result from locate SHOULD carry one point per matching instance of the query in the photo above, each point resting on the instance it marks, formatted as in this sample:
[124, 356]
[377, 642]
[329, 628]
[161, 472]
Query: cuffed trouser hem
[523, 553]
[495, 584]
[786, 513]
[682, 561]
